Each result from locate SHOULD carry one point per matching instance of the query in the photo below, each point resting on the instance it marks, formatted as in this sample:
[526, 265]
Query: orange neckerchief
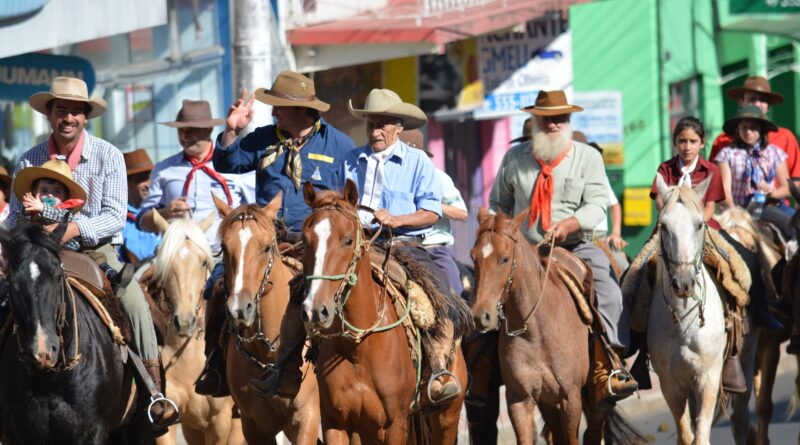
[543, 192]
[73, 158]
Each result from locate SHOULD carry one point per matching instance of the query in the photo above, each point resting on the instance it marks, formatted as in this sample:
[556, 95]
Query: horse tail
[619, 430]
[419, 429]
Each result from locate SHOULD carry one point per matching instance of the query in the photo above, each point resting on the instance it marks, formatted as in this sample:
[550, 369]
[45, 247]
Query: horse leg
[570, 418]
[335, 437]
[219, 429]
[595, 424]
[768, 356]
[680, 412]
[706, 398]
[170, 438]
[193, 436]
[740, 417]
[444, 427]
[521, 412]
[253, 433]
[303, 431]
[236, 435]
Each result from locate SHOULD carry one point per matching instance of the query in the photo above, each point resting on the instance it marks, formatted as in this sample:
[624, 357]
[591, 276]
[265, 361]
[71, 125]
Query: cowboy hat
[415, 139]
[67, 88]
[748, 112]
[194, 114]
[756, 84]
[56, 170]
[551, 103]
[527, 131]
[383, 102]
[137, 161]
[292, 90]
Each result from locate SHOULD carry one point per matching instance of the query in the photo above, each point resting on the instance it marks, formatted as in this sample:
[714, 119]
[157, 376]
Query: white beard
[547, 147]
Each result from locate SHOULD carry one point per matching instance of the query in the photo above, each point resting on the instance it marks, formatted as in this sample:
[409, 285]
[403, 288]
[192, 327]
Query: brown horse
[258, 292]
[366, 376]
[543, 344]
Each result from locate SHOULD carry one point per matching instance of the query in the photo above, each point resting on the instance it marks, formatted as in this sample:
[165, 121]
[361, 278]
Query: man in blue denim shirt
[299, 147]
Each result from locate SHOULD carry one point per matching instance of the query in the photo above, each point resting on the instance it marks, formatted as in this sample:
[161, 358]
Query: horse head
[495, 262]
[250, 249]
[332, 235]
[681, 227]
[180, 269]
[37, 293]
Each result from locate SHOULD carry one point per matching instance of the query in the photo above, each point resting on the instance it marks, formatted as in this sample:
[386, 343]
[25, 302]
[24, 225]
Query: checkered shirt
[741, 186]
[101, 172]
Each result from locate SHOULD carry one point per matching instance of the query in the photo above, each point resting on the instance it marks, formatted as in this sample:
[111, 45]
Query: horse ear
[516, 223]
[206, 223]
[661, 185]
[222, 207]
[702, 188]
[351, 192]
[272, 208]
[309, 193]
[484, 215]
[161, 224]
[58, 233]
[794, 190]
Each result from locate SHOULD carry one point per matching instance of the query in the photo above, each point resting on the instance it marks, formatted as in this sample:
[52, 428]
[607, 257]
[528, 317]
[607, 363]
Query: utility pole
[252, 43]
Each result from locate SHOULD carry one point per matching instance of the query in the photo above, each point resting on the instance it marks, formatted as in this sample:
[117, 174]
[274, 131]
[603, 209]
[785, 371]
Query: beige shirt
[579, 188]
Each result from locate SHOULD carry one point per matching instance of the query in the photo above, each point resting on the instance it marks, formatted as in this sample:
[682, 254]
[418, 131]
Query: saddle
[85, 270]
[576, 275]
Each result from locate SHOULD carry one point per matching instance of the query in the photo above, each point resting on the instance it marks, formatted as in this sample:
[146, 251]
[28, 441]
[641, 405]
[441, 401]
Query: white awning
[63, 22]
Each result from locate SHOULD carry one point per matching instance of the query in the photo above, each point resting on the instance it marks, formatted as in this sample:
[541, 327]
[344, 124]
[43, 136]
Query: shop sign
[601, 121]
[21, 76]
[637, 207]
[515, 65]
[765, 6]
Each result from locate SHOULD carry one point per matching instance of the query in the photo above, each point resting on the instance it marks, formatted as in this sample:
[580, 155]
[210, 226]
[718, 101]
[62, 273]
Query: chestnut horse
[175, 279]
[366, 376]
[258, 292]
[543, 342]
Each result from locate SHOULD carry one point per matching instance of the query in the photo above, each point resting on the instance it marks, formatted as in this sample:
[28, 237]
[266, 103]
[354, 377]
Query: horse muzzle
[317, 316]
[486, 320]
[44, 350]
[684, 282]
[185, 325]
[242, 312]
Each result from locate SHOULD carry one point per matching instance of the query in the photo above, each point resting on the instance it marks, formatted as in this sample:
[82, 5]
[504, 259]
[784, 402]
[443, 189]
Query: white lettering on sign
[18, 75]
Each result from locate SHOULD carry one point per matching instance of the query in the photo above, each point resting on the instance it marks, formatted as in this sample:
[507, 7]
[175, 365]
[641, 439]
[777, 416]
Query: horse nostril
[675, 283]
[304, 317]
[486, 319]
[176, 322]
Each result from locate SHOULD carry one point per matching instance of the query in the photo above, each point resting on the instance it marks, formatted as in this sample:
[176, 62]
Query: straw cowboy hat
[137, 161]
[415, 139]
[756, 84]
[67, 88]
[54, 169]
[551, 103]
[292, 90]
[194, 114]
[383, 102]
[748, 112]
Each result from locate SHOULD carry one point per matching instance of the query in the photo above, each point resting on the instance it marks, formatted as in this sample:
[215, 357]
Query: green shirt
[579, 188]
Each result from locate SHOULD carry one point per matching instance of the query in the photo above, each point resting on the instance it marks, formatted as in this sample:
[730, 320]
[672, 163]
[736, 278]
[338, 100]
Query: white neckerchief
[686, 172]
[373, 183]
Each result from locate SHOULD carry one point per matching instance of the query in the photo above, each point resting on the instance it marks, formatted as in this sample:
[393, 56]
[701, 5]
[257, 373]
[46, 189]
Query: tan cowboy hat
[756, 84]
[137, 161]
[194, 114]
[383, 102]
[292, 90]
[56, 170]
[68, 88]
[415, 139]
[748, 112]
[551, 103]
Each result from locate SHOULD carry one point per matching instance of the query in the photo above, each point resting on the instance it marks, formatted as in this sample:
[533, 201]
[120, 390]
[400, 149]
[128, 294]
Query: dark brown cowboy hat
[137, 161]
[551, 103]
[54, 169]
[292, 89]
[194, 114]
[527, 131]
[68, 88]
[746, 112]
[415, 139]
[756, 84]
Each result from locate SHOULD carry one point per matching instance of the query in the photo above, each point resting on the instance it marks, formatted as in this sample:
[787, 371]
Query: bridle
[349, 279]
[697, 263]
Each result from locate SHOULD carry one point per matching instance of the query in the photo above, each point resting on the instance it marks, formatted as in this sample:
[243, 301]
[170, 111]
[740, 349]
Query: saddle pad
[397, 273]
[571, 264]
[83, 268]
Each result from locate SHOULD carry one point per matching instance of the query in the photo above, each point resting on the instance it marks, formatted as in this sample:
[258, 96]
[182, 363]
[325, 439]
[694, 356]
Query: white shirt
[441, 232]
[373, 183]
[612, 201]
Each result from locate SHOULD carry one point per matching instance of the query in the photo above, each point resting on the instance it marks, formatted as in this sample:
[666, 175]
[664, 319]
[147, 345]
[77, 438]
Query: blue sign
[12, 9]
[21, 76]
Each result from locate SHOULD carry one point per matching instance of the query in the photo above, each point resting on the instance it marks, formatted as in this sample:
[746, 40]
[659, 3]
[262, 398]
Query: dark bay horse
[62, 379]
[367, 383]
[543, 342]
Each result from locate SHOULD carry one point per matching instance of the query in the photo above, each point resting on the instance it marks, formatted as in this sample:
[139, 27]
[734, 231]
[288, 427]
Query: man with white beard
[564, 184]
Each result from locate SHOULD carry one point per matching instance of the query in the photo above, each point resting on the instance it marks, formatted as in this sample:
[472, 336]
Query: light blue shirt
[441, 233]
[409, 183]
[166, 184]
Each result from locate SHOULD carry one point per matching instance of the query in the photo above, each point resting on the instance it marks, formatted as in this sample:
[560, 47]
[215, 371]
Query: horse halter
[697, 262]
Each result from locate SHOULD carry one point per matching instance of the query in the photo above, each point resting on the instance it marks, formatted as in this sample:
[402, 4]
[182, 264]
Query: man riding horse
[560, 180]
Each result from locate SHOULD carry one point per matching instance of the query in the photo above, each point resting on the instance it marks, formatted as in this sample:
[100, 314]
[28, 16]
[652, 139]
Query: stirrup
[159, 398]
[269, 370]
[626, 375]
[435, 376]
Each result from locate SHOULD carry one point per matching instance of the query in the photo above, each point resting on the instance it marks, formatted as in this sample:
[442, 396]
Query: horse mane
[24, 234]
[686, 195]
[737, 222]
[332, 198]
[250, 210]
[178, 232]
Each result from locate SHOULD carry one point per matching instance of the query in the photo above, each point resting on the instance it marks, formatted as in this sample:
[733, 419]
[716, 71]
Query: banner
[601, 122]
[765, 6]
[21, 76]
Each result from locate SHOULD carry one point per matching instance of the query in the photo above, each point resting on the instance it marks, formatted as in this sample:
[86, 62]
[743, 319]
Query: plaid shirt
[101, 172]
[52, 215]
[742, 187]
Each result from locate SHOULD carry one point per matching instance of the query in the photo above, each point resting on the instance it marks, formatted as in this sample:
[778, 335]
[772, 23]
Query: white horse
[686, 333]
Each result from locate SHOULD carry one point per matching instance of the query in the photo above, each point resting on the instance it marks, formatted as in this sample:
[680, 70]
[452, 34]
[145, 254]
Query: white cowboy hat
[68, 88]
[385, 102]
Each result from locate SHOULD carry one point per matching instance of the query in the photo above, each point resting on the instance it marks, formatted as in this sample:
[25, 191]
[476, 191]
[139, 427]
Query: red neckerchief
[542, 196]
[203, 165]
[72, 158]
[131, 216]
[70, 204]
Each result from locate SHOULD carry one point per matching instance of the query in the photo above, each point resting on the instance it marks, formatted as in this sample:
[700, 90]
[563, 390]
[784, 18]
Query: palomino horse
[543, 342]
[686, 327]
[366, 376]
[62, 377]
[258, 292]
[175, 279]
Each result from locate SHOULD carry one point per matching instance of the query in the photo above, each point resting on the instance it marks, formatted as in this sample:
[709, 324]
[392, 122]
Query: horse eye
[505, 260]
[348, 241]
[699, 226]
[266, 249]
